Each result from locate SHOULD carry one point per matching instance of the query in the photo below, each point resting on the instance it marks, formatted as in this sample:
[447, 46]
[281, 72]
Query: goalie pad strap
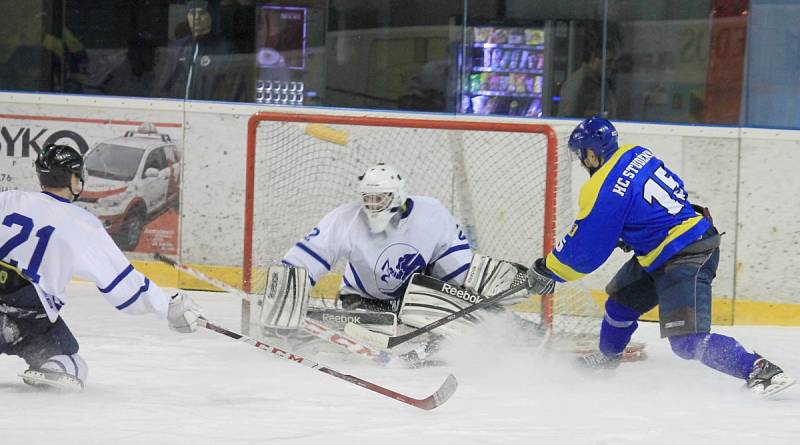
[285, 298]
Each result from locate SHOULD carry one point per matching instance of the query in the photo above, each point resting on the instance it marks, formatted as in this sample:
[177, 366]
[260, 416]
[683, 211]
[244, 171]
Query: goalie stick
[445, 391]
[386, 341]
[317, 329]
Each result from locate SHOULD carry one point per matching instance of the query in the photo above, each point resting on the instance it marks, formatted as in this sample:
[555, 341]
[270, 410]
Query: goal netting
[506, 183]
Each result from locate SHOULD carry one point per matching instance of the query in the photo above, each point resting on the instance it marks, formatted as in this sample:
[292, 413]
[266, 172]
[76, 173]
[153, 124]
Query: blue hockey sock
[619, 324]
[716, 351]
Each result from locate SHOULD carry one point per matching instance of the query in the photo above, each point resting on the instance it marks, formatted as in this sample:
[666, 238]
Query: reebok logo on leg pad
[385, 322]
[428, 299]
[461, 293]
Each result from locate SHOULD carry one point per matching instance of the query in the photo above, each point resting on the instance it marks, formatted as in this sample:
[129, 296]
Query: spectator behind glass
[581, 92]
[131, 73]
[42, 57]
[428, 89]
[199, 66]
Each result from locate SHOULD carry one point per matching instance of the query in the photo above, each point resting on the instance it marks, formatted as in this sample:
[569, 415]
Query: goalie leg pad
[285, 299]
[428, 299]
[488, 276]
[384, 322]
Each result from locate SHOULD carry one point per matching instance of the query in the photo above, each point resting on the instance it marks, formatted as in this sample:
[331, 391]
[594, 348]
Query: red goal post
[349, 142]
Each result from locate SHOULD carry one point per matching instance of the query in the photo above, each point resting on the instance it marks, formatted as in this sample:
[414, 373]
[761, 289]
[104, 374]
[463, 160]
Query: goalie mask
[382, 195]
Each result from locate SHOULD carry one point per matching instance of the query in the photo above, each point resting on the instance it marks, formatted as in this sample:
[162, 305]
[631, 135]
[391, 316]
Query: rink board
[723, 309]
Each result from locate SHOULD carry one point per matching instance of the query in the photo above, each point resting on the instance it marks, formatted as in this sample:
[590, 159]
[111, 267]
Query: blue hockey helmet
[597, 134]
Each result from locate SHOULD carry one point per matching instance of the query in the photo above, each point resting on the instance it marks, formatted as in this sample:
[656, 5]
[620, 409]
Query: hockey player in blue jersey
[45, 241]
[632, 200]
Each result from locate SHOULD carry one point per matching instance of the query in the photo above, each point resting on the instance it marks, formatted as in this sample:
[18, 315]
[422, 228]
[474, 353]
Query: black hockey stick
[386, 341]
[445, 391]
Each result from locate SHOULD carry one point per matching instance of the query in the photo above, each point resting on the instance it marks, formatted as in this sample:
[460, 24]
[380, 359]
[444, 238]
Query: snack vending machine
[281, 54]
[504, 70]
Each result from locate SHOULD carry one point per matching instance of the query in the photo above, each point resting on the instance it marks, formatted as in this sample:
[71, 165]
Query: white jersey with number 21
[50, 240]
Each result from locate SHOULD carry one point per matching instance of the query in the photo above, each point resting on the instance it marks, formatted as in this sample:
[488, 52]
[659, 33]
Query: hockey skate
[422, 354]
[598, 361]
[46, 379]
[767, 378]
[634, 351]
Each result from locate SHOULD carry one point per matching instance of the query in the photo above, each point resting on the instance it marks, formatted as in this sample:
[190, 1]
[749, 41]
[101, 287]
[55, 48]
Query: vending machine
[504, 70]
[281, 52]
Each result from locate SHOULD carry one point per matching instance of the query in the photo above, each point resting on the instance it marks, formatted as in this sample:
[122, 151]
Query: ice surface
[148, 385]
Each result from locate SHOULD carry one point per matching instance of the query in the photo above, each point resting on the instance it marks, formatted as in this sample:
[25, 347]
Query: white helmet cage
[383, 193]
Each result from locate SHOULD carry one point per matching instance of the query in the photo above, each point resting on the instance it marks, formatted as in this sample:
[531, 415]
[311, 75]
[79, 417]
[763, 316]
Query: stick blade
[374, 338]
[441, 395]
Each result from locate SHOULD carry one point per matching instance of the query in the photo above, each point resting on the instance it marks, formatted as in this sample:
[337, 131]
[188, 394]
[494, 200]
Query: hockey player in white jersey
[386, 237]
[45, 241]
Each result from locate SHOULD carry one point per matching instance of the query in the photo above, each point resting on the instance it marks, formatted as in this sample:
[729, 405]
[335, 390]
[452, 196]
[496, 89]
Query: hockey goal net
[506, 183]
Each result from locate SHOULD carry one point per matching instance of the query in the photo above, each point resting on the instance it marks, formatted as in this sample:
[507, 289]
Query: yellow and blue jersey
[635, 198]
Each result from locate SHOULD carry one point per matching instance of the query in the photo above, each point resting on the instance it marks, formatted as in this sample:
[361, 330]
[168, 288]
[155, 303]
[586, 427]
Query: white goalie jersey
[427, 239]
[50, 240]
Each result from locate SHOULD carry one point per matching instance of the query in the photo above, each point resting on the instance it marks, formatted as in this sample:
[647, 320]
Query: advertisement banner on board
[132, 171]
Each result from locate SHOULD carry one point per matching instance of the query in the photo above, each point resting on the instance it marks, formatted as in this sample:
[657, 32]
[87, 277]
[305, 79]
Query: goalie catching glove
[488, 277]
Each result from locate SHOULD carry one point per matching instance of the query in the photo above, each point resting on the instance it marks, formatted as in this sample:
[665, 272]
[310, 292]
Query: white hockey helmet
[383, 193]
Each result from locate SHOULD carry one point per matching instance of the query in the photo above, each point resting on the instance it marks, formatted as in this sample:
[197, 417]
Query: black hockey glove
[540, 279]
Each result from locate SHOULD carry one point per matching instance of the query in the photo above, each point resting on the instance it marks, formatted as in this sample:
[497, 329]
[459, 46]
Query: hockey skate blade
[779, 383]
[360, 332]
[634, 352]
[39, 381]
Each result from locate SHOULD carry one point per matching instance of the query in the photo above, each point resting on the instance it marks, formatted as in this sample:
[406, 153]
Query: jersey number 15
[665, 194]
